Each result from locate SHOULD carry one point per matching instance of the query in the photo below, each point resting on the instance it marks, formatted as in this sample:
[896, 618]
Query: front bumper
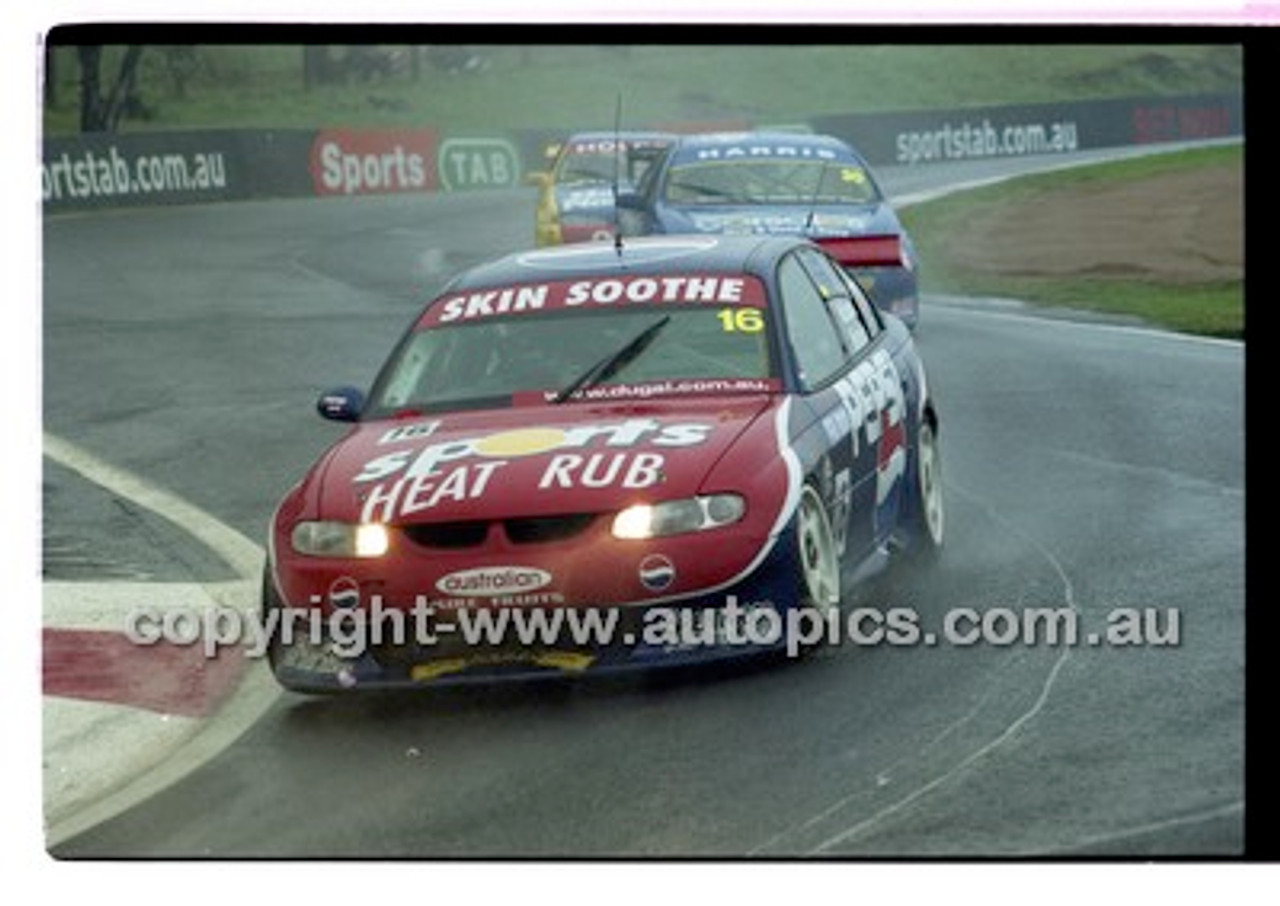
[447, 648]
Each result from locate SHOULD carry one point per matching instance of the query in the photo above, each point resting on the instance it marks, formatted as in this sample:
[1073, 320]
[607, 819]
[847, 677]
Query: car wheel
[819, 565]
[270, 602]
[928, 513]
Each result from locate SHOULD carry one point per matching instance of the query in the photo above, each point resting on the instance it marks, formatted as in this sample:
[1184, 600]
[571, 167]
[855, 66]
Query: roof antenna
[617, 158]
[813, 202]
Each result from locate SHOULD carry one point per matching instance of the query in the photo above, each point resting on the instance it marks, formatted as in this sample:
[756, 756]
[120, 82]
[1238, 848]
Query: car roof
[609, 136]
[770, 139]
[639, 256]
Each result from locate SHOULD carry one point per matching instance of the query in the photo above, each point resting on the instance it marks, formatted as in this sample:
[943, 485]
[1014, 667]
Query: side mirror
[342, 404]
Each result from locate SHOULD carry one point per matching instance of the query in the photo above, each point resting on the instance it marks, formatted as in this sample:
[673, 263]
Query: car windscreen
[534, 358]
[579, 167]
[598, 162]
[769, 181]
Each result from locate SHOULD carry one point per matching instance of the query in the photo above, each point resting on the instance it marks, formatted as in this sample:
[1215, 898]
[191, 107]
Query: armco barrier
[163, 168]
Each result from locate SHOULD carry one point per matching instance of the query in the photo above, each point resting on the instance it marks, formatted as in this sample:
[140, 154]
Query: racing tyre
[928, 515]
[819, 565]
[270, 602]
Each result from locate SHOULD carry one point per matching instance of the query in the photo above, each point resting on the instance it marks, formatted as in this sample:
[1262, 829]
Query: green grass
[1210, 309]
[576, 86]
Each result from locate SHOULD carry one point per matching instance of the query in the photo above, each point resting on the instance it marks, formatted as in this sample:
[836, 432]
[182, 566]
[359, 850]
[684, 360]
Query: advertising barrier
[163, 168]
[939, 136]
[373, 161]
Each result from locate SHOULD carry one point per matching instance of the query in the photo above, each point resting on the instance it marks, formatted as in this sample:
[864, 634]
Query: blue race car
[782, 183]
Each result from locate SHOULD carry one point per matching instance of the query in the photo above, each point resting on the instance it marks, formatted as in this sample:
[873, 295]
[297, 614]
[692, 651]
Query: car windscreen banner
[595, 293]
[142, 169]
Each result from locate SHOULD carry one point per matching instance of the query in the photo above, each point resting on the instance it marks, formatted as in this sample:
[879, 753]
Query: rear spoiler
[864, 251]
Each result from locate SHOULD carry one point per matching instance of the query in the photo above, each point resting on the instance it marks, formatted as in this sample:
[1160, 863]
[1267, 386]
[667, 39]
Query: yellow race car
[576, 197]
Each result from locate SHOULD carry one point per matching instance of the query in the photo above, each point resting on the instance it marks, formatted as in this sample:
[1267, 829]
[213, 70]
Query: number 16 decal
[741, 320]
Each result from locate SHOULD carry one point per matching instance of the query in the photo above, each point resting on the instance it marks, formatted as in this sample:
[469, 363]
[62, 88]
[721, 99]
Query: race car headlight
[340, 539]
[674, 517]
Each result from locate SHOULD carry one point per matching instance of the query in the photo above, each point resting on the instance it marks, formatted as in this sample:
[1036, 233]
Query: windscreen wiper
[614, 362]
[703, 191]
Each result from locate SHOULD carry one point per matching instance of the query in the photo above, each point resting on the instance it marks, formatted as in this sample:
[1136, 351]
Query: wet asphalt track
[1089, 466]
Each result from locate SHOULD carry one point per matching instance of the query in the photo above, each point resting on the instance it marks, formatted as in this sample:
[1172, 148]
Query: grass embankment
[1093, 200]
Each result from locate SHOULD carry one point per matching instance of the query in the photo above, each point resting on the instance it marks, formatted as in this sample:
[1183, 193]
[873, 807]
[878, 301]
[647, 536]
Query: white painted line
[1055, 166]
[122, 782]
[884, 776]
[78, 733]
[241, 554]
[902, 202]
[1047, 321]
[104, 605]
[1141, 830]
[1011, 730]
[256, 693]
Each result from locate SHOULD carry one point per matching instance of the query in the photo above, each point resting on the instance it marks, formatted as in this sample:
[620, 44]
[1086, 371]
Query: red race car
[606, 456]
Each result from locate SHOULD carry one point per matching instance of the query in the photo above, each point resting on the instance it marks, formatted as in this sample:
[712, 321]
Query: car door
[887, 383]
[857, 455]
